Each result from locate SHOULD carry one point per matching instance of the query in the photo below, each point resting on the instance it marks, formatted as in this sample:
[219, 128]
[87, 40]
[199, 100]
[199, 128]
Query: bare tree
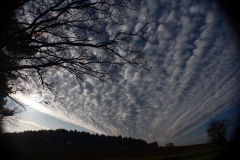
[82, 37]
[217, 130]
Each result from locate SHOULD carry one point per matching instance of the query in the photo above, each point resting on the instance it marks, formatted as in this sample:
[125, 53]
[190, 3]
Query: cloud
[22, 125]
[196, 74]
[56, 113]
[33, 124]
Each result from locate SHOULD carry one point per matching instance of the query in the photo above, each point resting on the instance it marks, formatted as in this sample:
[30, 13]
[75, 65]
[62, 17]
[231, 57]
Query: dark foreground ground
[195, 152]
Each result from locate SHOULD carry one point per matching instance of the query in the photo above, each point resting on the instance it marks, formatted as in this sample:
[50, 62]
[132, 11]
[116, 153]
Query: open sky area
[195, 78]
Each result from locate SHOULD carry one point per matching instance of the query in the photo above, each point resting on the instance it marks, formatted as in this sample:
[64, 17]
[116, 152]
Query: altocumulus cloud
[196, 70]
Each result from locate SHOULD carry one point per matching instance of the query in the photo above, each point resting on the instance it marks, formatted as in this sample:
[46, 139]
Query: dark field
[196, 152]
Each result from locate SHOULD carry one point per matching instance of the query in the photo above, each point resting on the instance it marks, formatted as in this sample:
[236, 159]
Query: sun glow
[56, 114]
[32, 103]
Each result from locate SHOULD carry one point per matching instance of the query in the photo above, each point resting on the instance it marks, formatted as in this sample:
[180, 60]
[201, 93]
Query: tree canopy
[64, 138]
[217, 130]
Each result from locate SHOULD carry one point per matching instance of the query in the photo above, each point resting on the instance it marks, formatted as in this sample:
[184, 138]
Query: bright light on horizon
[32, 103]
[56, 114]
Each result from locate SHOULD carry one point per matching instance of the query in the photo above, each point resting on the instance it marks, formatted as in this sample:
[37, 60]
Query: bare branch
[80, 37]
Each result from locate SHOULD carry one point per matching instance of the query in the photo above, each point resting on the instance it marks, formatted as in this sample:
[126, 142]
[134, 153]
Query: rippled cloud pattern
[195, 77]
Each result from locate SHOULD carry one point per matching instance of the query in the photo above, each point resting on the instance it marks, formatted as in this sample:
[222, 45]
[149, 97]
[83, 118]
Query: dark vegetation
[141, 153]
[64, 138]
[218, 129]
[63, 144]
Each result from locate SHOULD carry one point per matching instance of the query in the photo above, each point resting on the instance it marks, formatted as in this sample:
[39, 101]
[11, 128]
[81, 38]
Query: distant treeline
[65, 138]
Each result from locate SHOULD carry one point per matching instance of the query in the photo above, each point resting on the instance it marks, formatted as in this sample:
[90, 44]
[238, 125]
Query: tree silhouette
[82, 37]
[7, 109]
[64, 138]
[153, 144]
[217, 130]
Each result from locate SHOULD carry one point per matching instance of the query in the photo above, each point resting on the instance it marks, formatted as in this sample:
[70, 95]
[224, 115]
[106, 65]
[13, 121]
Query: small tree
[153, 144]
[217, 130]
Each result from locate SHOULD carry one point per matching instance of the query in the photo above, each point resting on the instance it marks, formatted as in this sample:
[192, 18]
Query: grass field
[202, 155]
[195, 152]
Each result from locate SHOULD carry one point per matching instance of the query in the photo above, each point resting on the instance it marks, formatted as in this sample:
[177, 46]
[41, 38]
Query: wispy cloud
[196, 75]
[33, 124]
[54, 113]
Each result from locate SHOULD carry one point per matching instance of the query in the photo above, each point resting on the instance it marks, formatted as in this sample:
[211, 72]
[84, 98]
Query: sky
[195, 78]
